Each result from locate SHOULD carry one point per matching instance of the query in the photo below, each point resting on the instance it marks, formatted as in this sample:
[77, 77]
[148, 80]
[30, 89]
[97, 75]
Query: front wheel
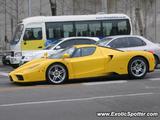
[56, 74]
[137, 67]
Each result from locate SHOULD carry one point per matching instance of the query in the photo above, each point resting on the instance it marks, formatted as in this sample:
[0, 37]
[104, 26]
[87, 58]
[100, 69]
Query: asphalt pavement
[112, 98]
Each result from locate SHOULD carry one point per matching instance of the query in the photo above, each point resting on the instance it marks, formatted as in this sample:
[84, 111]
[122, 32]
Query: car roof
[119, 36]
[82, 37]
[69, 38]
[92, 45]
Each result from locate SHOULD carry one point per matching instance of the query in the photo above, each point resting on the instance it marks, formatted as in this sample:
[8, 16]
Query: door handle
[39, 46]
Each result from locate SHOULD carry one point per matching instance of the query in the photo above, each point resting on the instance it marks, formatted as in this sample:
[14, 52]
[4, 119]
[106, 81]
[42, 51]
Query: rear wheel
[137, 67]
[56, 74]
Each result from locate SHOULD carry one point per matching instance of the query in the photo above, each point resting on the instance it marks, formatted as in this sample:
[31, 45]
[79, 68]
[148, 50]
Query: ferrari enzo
[85, 61]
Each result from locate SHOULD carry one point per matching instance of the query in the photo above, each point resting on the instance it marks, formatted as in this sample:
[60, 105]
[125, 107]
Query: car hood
[158, 44]
[30, 55]
[37, 53]
[34, 64]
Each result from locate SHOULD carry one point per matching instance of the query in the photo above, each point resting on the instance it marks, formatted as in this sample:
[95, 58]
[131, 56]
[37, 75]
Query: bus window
[114, 30]
[116, 27]
[59, 30]
[81, 28]
[123, 28]
[95, 29]
[68, 30]
[107, 27]
[33, 34]
[53, 31]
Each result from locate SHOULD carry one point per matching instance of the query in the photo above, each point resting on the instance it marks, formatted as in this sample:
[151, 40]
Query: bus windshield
[17, 35]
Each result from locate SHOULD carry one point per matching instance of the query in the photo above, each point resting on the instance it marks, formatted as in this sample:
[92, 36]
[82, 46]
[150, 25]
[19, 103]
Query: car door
[33, 38]
[87, 62]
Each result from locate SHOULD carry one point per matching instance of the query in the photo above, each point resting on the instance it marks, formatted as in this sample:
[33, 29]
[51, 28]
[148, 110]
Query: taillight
[151, 51]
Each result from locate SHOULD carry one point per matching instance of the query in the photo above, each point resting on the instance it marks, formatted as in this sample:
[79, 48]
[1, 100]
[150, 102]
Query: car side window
[119, 43]
[67, 43]
[86, 51]
[77, 53]
[134, 42]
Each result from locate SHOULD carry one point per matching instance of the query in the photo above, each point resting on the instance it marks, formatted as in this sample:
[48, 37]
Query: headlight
[18, 54]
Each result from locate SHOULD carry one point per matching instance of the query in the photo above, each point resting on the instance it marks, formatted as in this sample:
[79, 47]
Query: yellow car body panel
[119, 63]
[32, 44]
[101, 63]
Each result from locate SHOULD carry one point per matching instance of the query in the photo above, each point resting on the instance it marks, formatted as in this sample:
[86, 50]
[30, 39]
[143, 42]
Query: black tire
[14, 66]
[137, 68]
[156, 61]
[4, 61]
[56, 74]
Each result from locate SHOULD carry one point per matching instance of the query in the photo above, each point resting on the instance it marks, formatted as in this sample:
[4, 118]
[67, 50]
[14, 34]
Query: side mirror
[58, 47]
[66, 56]
[45, 55]
[25, 42]
[108, 46]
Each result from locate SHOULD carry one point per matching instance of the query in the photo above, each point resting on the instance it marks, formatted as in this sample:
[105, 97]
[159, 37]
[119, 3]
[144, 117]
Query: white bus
[35, 33]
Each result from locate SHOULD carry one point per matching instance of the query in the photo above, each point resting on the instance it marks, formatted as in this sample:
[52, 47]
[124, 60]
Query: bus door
[33, 38]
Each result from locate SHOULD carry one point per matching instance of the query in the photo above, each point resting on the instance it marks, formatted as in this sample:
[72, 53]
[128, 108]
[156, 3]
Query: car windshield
[17, 35]
[61, 53]
[53, 44]
[104, 41]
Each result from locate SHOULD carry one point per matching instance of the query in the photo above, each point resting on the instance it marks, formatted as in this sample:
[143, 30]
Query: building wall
[22, 8]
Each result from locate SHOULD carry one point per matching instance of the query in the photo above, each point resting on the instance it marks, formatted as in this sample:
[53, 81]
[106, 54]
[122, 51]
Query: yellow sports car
[85, 61]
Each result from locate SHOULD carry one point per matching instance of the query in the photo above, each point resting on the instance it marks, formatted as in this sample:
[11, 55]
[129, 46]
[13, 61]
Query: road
[82, 100]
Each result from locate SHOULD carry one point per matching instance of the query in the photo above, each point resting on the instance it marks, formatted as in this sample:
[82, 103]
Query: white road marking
[74, 100]
[157, 70]
[148, 87]
[4, 74]
[103, 83]
[154, 79]
[114, 82]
